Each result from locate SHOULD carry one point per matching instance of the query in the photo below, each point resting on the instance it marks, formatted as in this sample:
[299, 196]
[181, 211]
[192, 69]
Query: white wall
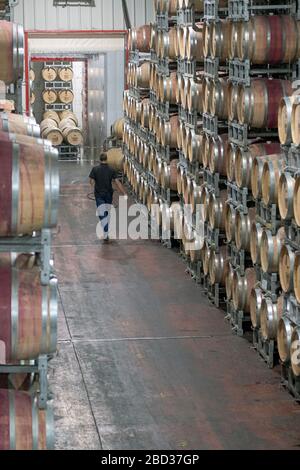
[108, 14]
[77, 88]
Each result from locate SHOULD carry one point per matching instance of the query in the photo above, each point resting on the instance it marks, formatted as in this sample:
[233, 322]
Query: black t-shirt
[103, 176]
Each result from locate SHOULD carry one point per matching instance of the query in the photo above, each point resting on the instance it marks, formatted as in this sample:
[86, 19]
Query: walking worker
[101, 178]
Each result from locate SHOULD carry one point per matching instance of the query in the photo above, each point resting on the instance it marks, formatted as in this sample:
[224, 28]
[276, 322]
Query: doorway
[98, 60]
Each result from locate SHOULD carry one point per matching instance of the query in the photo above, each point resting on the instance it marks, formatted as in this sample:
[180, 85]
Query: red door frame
[63, 33]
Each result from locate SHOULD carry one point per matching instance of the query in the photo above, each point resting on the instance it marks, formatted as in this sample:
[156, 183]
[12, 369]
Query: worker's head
[103, 158]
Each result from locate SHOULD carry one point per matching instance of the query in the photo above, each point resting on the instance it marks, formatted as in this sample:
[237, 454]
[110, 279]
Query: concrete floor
[144, 361]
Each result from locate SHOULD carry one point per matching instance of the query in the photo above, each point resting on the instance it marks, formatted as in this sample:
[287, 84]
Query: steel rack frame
[239, 198]
[136, 57]
[57, 64]
[269, 283]
[243, 9]
[239, 321]
[268, 217]
[241, 72]
[192, 169]
[191, 120]
[186, 17]
[39, 243]
[212, 126]
[15, 93]
[39, 368]
[293, 235]
[290, 382]
[239, 259]
[214, 181]
[139, 93]
[163, 21]
[58, 85]
[294, 158]
[58, 107]
[214, 238]
[267, 349]
[215, 293]
[194, 270]
[292, 309]
[241, 135]
[212, 12]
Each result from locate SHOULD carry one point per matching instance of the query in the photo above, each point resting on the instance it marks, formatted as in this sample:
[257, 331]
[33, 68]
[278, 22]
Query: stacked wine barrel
[28, 309]
[150, 131]
[289, 260]
[221, 132]
[136, 111]
[29, 187]
[215, 154]
[63, 95]
[61, 127]
[254, 227]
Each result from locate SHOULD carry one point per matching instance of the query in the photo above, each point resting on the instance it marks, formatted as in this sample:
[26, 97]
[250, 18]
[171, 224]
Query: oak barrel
[11, 52]
[242, 288]
[140, 38]
[245, 158]
[286, 191]
[68, 115]
[53, 115]
[284, 339]
[49, 96]
[66, 96]
[287, 113]
[272, 171]
[295, 352]
[51, 132]
[23, 427]
[287, 260]
[115, 159]
[220, 40]
[297, 277]
[269, 39]
[49, 74]
[28, 310]
[297, 201]
[72, 134]
[255, 306]
[65, 74]
[255, 242]
[270, 250]
[258, 104]
[30, 189]
[271, 313]
[243, 224]
[18, 124]
[117, 128]
[219, 266]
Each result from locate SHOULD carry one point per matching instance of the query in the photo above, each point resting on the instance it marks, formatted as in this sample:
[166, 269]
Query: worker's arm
[92, 182]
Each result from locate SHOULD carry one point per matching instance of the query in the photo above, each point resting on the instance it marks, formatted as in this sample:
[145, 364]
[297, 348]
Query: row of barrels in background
[51, 96]
[272, 39]
[261, 167]
[51, 74]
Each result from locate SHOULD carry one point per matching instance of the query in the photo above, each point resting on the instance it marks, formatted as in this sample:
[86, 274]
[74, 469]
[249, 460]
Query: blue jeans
[104, 200]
